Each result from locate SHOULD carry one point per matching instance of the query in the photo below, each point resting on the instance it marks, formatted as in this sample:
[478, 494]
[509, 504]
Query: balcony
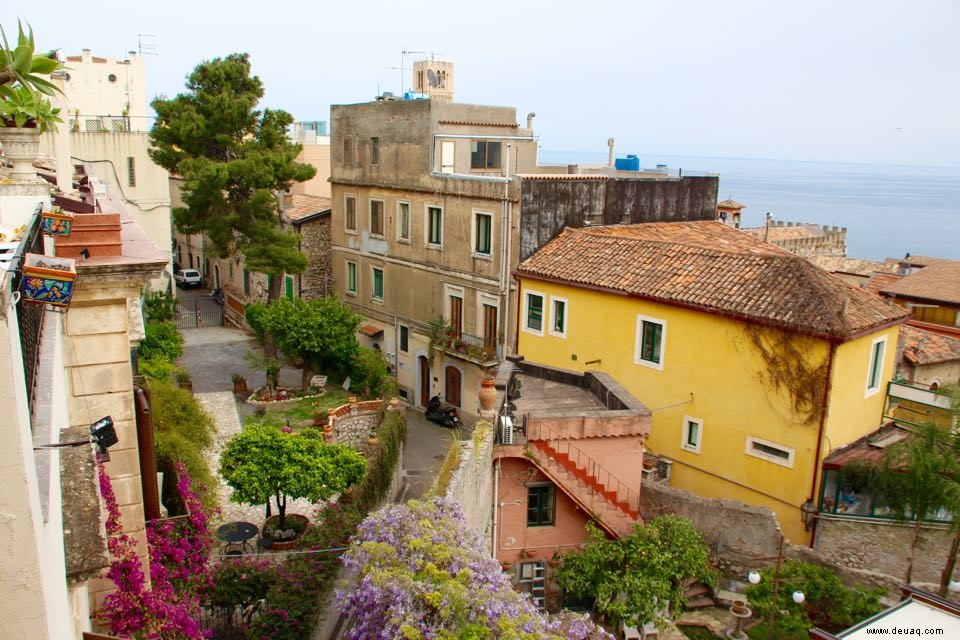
[483, 352]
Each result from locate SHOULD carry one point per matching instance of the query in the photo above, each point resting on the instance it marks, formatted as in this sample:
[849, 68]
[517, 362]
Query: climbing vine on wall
[787, 367]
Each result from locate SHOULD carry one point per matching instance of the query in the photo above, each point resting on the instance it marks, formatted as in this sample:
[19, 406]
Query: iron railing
[29, 316]
[483, 351]
[604, 483]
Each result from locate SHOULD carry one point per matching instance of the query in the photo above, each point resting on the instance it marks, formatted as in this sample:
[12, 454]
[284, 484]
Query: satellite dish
[432, 78]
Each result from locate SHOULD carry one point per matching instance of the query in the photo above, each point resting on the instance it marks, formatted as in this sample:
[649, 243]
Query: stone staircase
[698, 595]
[578, 477]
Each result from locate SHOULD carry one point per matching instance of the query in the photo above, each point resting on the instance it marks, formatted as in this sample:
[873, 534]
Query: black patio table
[235, 535]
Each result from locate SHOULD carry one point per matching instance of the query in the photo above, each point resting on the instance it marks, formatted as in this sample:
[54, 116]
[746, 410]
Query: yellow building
[755, 362]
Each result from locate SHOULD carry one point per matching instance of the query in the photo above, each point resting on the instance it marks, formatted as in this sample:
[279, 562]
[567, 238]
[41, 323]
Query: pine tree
[234, 159]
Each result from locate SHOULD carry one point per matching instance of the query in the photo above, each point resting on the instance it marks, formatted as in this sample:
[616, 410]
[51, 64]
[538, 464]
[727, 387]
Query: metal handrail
[29, 317]
[588, 465]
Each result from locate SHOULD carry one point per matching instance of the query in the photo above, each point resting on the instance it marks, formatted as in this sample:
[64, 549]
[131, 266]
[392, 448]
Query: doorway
[452, 379]
[424, 365]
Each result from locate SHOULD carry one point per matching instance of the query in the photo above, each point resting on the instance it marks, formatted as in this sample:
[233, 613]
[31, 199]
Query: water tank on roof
[630, 163]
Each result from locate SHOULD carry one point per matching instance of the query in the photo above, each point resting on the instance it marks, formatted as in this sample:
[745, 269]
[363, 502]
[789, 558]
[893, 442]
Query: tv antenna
[145, 46]
[403, 58]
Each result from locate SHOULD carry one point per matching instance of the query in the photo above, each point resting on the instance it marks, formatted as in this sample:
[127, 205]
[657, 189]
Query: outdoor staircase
[614, 506]
[698, 595]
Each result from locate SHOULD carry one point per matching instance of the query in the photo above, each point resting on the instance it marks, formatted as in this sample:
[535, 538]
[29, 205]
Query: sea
[888, 210]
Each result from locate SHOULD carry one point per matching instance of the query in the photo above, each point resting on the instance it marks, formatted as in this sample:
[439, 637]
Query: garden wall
[471, 484]
[353, 423]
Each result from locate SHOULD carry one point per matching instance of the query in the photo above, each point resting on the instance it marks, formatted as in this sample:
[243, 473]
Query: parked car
[187, 278]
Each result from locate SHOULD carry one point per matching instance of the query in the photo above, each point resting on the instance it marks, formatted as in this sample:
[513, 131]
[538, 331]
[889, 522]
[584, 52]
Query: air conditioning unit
[506, 430]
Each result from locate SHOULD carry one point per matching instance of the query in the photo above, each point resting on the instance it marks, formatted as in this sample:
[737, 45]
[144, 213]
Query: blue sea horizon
[888, 210]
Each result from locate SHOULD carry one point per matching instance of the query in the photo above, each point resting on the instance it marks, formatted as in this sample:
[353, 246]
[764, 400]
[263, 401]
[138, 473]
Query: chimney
[530, 117]
[766, 229]
[922, 344]
[610, 156]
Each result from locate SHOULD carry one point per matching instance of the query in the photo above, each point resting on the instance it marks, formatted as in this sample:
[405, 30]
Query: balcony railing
[109, 124]
[482, 351]
[29, 317]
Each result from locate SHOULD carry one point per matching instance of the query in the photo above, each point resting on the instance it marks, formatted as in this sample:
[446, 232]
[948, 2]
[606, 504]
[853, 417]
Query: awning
[371, 330]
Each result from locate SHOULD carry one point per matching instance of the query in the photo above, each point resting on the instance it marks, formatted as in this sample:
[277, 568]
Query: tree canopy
[233, 159]
[630, 575]
[262, 462]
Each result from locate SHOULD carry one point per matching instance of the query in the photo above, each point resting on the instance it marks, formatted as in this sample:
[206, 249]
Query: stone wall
[354, 422]
[882, 546]
[315, 244]
[471, 484]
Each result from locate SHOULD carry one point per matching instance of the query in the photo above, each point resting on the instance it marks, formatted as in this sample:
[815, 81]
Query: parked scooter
[442, 413]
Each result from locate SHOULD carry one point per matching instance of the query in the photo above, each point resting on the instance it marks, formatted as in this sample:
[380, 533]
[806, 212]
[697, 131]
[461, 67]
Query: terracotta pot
[649, 462]
[739, 606]
[352, 399]
[372, 440]
[48, 279]
[488, 394]
[283, 545]
[240, 387]
[506, 565]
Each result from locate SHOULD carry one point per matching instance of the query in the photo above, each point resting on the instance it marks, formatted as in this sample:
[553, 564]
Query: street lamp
[754, 578]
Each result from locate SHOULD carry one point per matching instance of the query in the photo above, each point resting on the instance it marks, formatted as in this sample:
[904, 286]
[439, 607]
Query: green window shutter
[289, 287]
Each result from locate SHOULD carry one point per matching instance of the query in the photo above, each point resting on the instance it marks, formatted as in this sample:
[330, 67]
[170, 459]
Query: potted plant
[319, 415]
[48, 280]
[239, 384]
[56, 222]
[25, 111]
[184, 379]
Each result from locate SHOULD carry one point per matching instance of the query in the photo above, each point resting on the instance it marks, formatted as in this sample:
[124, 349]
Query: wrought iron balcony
[485, 352]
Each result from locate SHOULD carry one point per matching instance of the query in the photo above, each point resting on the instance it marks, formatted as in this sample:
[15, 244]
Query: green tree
[917, 480]
[234, 159]
[159, 306]
[262, 462]
[630, 575]
[163, 339]
[319, 335]
[368, 373]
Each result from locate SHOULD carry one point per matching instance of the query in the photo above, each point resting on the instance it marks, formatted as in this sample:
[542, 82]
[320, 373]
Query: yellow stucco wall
[712, 371]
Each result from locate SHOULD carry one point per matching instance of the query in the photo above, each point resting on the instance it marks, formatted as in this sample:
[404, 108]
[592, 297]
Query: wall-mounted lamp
[808, 513]
[102, 434]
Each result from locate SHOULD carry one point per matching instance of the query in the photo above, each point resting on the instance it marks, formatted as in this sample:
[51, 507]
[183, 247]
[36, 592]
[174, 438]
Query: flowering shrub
[178, 568]
[424, 574]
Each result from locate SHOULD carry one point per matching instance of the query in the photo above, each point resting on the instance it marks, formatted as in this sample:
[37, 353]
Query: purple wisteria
[179, 556]
[424, 574]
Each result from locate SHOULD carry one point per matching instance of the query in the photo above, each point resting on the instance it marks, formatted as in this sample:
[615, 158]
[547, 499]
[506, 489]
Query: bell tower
[434, 78]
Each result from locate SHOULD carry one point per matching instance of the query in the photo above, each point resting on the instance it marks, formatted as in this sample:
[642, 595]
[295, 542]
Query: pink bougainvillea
[179, 556]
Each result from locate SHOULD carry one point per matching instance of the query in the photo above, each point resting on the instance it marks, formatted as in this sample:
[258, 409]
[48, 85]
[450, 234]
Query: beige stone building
[435, 203]
[312, 136]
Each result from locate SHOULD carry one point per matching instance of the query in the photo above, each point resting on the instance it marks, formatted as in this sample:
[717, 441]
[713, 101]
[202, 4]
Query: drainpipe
[496, 505]
[505, 271]
[148, 461]
[828, 384]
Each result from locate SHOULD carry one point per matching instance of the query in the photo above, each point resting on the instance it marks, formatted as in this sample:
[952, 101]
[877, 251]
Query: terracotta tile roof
[855, 266]
[786, 233]
[939, 282]
[923, 347]
[879, 281]
[710, 266]
[870, 448]
[562, 176]
[304, 206]
[477, 123]
[730, 204]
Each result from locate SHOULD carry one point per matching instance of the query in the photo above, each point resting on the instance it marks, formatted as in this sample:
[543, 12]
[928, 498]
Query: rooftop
[939, 281]
[712, 267]
[853, 266]
[922, 347]
[730, 204]
[306, 206]
[869, 448]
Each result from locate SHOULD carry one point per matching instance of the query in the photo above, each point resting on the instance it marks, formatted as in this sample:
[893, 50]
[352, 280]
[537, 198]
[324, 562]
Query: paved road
[427, 445]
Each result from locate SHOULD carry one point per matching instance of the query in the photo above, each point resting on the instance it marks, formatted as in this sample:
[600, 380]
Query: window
[770, 451]
[482, 222]
[403, 221]
[404, 338]
[558, 317]
[246, 282]
[435, 226]
[875, 371]
[484, 154]
[348, 151]
[288, 287]
[378, 284]
[456, 314]
[533, 313]
[350, 213]
[447, 149]
[352, 278]
[376, 217]
[648, 350]
[489, 328]
[374, 150]
[540, 503]
[131, 171]
[692, 434]
[533, 581]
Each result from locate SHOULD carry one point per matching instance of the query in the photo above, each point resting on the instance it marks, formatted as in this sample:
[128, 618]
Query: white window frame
[685, 434]
[526, 310]
[400, 237]
[870, 391]
[566, 316]
[383, 217]
[356, 278]
[373, 284]
[751, 451]
[347, 229]
[427, 226]
[638, 342]
[473, 234]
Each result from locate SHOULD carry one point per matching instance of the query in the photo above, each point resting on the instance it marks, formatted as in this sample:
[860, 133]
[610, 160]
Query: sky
[852, 81]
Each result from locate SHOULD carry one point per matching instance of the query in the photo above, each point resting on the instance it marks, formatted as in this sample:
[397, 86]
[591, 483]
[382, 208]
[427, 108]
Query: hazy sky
[870, 81]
